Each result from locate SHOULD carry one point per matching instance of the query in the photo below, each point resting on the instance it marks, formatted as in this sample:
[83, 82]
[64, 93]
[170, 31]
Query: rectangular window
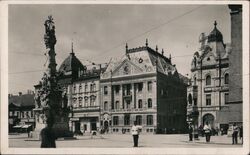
[150, 86]
[149, 119]
[105, 90]
[126, 120]
[31, 114]
[226, 98]
[10, 113]
[74, 89]
[80, 102]
[115, 120]
[86, 101]
[117, 89]
[86, 87]
[208, 99]
[80, 88]
[139, 87]
[139, 120]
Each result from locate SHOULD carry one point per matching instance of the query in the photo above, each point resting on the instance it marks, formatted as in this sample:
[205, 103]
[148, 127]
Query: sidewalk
[125, 141]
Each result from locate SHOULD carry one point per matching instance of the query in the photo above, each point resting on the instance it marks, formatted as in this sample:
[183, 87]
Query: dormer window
[208, 59]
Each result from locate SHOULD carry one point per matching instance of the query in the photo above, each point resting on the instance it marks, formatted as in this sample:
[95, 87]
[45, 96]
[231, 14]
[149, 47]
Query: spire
[72, 48]
[156, 48]
[147, 42]
[162, 52]
[215, 23]
[126, 47]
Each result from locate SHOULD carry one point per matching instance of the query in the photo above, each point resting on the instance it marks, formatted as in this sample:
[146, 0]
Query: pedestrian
[190, 132]
[135, 133]
[235, 134]
[48, 137]
[241, 134]
[207, 130]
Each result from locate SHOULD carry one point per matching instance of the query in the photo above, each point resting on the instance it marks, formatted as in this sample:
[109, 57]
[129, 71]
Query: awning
[17, 126]
[25, 126]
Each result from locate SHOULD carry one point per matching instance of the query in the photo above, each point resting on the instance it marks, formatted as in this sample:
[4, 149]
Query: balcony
[193, 90]
[132, 110]
[89, 108]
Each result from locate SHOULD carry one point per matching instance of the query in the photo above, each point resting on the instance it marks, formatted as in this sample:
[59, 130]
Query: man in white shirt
[135, 133]
[207, 130]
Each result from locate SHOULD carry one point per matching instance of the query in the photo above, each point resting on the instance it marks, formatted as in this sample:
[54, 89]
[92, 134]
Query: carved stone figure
[49, 37]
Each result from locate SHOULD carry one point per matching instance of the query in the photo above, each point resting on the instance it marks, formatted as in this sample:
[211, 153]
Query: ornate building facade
[208, 92]
[80, 85]
[144, 86]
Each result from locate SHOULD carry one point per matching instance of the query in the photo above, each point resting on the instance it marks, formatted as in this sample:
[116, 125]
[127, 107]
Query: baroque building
[144, 86]
[208, 92]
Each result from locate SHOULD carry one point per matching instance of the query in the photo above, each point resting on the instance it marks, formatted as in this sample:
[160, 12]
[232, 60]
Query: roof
[215, 35]
[24, 100]
[141, 60]
[71, 64]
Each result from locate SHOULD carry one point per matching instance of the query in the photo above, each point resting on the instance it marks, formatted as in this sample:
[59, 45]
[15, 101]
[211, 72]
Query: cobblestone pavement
[125, 141]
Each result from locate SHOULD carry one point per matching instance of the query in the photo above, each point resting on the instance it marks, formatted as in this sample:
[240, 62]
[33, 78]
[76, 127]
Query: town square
[127, 75]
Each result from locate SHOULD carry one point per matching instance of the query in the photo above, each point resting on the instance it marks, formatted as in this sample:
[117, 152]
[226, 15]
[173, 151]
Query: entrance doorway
[77, 126]
[93, 126]
[208, 118]
[106, 126]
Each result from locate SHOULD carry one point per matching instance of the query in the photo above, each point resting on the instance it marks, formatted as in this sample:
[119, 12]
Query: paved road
[125, 141]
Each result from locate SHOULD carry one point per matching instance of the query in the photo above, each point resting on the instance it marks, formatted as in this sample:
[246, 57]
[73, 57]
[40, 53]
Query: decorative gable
[126, 68]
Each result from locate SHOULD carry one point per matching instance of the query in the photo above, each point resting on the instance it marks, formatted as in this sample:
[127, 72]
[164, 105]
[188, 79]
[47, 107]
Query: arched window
[208, 80]
[194, 81]
[117, 105]
[190, 99]
[139, 104]
[149, 103]
[226, 78]
[105, 106]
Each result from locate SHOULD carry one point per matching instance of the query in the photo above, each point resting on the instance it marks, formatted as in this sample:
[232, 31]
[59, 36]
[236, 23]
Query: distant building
[144, 86]
[21, 114]
[209, 88]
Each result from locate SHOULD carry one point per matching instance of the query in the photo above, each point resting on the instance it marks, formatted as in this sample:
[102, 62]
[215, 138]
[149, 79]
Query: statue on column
[49, 37]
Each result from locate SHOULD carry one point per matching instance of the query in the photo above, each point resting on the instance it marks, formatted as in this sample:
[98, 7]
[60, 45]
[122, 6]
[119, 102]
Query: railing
[86, 108]
[132, 109]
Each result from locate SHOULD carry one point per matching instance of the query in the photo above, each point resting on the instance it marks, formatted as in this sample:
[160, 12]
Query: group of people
[208, 130]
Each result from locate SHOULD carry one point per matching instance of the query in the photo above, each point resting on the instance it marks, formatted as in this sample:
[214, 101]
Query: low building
[144, 86]
[21, 114]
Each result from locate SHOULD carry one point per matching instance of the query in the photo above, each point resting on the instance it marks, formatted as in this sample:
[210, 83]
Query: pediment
[126, 68]
[208, 58]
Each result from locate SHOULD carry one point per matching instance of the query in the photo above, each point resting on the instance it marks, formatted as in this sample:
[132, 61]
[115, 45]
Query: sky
[100, 31]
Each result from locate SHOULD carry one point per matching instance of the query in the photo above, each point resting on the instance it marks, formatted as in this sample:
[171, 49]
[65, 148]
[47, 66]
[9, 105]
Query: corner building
[80, 84]
[144, 86]
[209, 88]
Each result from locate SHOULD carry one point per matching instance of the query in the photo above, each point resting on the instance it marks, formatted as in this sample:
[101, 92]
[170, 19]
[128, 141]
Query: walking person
[241, 134]
[135, 133]
[207, 130]
[190, 132]
[235, 134]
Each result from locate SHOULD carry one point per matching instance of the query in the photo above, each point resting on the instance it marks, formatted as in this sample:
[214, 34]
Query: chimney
[20, 93]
